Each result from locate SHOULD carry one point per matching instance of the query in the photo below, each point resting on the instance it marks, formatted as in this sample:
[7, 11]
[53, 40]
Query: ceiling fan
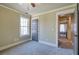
[33, 5]
[28, 7]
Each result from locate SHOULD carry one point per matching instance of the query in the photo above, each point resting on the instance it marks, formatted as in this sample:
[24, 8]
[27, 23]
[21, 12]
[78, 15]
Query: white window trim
[27, 26]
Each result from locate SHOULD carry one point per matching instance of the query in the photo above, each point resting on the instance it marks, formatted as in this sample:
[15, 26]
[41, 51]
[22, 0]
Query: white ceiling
[40, 7]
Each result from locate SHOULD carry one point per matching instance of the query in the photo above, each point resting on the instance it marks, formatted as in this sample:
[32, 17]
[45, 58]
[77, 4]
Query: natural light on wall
[24, 26]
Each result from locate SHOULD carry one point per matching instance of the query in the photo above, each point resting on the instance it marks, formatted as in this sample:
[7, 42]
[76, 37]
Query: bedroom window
[24, 26]
[63, 28]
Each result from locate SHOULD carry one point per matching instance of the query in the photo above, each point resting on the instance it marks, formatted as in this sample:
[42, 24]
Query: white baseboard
[11, 45]
[47, 43]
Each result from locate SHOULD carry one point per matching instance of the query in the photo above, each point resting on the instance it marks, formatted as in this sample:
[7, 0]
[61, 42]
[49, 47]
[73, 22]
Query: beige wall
[9, 26]
[47, 27]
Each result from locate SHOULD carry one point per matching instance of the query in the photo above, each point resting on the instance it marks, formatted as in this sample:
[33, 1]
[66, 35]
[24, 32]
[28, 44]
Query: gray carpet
[35, 48]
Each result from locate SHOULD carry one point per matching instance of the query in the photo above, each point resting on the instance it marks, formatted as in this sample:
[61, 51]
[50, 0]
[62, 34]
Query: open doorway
[65, 30]
[65, 25]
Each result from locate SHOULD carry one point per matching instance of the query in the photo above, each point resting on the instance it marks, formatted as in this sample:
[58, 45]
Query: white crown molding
[66, 11]
[65, 7]
[73, 5]
[10, 8]
[13, 10]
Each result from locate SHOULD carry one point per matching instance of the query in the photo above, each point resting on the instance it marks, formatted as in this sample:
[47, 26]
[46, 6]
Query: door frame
[62, 13]
[33, 18]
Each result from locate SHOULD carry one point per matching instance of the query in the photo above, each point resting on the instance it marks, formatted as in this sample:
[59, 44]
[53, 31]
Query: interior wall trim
[21, 13]
[54, 10]
[33, 15]
[47, 43]
[62, 13]
[11, 45]
[10, 9]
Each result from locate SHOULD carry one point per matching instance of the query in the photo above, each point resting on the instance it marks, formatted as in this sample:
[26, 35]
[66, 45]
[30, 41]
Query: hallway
[35, 48]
